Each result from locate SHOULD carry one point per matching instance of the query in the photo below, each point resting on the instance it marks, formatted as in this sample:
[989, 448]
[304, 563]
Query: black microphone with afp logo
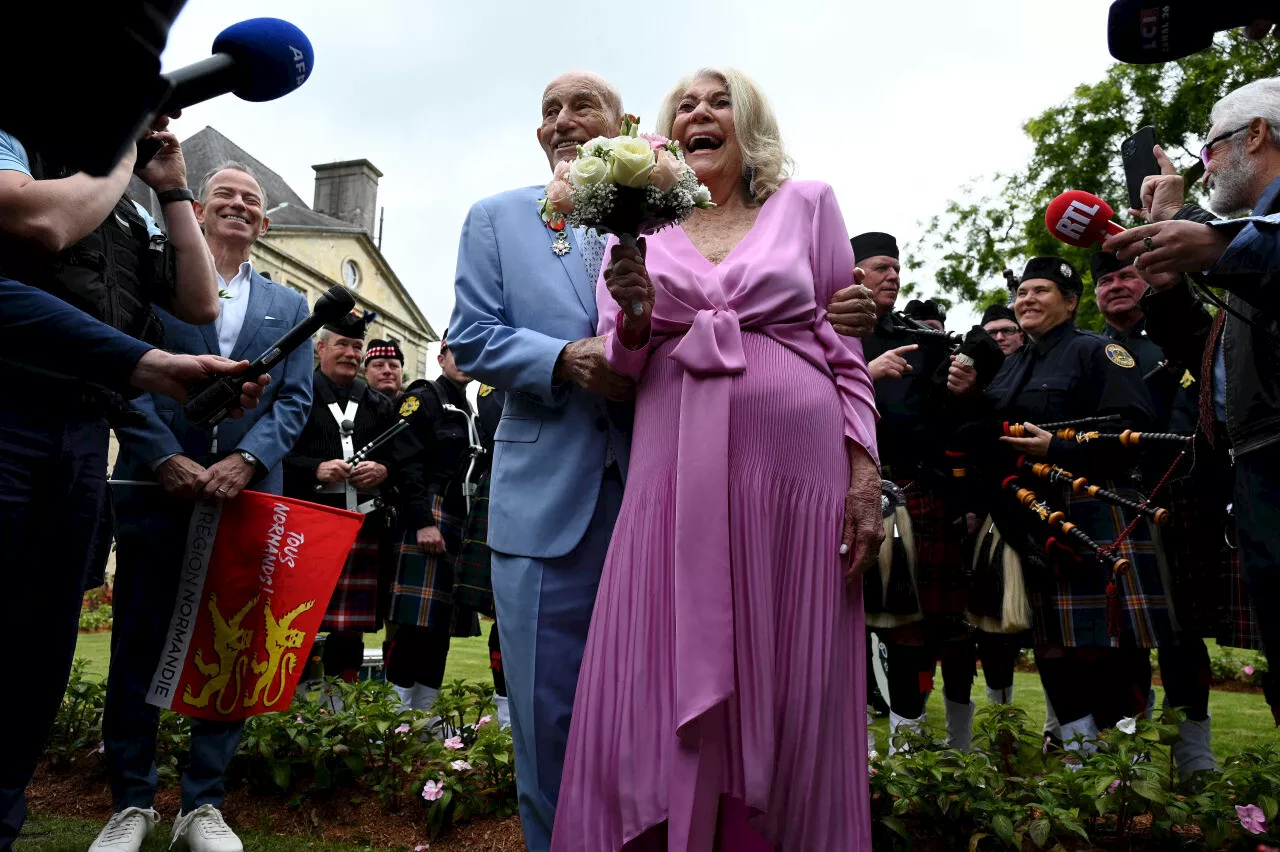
[214, 398]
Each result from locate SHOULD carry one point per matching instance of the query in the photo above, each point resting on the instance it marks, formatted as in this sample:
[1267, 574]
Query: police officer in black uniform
[1080, 605]
[81, 239]
[437, 482]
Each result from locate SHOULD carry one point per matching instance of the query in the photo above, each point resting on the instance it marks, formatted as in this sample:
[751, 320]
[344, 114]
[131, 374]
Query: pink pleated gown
[724, 676]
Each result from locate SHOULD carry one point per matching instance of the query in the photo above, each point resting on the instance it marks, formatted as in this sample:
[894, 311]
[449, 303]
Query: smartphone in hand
[1139, 162]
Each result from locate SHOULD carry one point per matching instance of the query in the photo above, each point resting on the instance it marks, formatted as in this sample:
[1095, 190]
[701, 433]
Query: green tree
[1077, 146]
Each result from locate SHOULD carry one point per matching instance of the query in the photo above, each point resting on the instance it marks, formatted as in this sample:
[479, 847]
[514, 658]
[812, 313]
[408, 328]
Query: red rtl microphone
[1080, 219]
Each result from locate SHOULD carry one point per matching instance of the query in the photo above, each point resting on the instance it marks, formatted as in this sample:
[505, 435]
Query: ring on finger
[1146, 241]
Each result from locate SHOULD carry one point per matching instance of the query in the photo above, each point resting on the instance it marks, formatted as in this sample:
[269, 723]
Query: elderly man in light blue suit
[192, 462]
[524, 321]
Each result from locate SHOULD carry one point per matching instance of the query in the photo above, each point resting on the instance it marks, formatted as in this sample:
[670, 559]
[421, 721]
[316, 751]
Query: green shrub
[96, 610]
[1009, 793]
[368, 745]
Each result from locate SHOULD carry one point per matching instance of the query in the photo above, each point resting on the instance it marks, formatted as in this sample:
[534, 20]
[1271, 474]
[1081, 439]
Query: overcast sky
[896, 104]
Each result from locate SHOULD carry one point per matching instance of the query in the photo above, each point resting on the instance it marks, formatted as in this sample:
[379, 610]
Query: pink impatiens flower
[433, 790]
[403, 729]
[1248, 670]
[1252, 818]
[422, 847]
[460, 766]
[484, 720]
[454, 743]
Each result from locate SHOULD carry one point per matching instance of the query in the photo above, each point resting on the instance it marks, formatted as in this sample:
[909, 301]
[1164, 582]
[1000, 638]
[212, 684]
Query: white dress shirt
[231, 311]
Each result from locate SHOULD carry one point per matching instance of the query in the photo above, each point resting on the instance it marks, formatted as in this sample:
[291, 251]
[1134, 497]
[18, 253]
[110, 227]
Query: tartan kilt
[941, 580]
[1071, 604]
[474, 584]
[355, 601]
[1208, 591]
[422, 591]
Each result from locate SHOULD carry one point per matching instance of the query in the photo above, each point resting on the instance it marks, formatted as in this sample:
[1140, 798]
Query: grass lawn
[468, 658]
[1241, 721]
[57, 834]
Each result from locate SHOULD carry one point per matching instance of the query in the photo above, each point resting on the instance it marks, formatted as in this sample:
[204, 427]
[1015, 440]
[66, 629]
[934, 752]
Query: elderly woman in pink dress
[721, 699]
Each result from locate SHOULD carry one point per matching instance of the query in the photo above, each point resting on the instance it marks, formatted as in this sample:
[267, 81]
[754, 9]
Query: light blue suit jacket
[267, 431]
[517, 304]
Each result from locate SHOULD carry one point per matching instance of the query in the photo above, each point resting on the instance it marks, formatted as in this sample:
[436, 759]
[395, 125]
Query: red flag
[257, 576]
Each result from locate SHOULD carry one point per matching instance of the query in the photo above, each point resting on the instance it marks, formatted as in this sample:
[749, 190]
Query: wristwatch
[248, 456]
[180, 193]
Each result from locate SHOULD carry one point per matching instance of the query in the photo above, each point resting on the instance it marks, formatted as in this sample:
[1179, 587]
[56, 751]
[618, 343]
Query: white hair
[765, 164]
[1259, 99]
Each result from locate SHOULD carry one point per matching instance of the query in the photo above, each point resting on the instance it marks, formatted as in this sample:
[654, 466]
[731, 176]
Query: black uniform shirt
[907, 405]
[441, 454]
[1070, 374]
[1176, 406]
[321, 441]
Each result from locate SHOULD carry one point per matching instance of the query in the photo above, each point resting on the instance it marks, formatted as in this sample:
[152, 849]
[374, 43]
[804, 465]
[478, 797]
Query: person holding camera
[1235, 354]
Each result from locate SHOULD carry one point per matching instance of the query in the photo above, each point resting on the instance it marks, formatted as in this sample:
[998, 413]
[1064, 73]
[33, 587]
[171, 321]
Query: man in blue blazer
[192, 462]
[524, 322]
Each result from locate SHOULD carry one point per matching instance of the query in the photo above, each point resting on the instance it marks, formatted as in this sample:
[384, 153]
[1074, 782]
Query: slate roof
[208, 149]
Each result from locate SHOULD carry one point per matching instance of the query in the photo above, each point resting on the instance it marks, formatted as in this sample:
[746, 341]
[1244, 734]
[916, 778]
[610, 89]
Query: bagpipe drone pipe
[976, 349]
[890, 593]
[1042, 520]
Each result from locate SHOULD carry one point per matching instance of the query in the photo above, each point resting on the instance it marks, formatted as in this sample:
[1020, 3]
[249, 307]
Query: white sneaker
[126, 830]
[204, 830]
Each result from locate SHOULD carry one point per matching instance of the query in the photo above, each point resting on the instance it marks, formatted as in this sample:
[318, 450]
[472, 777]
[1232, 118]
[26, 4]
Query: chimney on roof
[348, 191]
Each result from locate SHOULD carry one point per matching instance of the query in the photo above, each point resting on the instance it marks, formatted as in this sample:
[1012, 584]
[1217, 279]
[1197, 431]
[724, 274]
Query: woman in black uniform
[1093, 627]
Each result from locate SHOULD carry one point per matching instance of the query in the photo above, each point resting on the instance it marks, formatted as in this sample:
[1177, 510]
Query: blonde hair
[765, 164]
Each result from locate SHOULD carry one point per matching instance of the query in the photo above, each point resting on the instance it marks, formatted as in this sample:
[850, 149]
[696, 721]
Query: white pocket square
[268, 318]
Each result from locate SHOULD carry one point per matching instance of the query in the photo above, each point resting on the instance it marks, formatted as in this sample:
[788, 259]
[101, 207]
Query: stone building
[334, 241]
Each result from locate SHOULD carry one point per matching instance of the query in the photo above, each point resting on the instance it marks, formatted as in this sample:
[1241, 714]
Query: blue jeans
[1257, 510]
[151, 534]
[52, 479]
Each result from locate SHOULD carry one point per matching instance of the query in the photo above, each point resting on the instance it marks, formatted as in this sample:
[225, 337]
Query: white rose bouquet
[630, 185]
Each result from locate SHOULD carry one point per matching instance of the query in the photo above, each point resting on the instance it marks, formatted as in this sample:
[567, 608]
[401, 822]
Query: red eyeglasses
[1206, 153]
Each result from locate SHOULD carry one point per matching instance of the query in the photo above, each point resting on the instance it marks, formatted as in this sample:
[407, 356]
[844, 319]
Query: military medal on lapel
[555, 221]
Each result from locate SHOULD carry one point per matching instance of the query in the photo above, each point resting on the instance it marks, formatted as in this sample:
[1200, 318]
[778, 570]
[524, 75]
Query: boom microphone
[260, 59]
[213, 399]
[1143, 32]
[1080, 219]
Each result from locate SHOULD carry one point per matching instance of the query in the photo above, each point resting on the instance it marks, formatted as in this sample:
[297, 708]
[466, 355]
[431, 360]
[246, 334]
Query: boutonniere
[223, 294]
[553, 206]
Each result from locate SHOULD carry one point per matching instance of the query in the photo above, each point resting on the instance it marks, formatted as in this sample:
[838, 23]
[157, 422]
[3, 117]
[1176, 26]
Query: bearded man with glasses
[1235, 355]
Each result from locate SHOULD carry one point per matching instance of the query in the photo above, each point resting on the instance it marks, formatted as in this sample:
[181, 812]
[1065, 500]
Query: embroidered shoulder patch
[485, 390]
[1119, 355]
[409, 406]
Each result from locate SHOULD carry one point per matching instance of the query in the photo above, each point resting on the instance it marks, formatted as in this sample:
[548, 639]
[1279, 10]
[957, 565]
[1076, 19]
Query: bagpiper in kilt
[915, 601]
[436, 485]
[474, 582]
[346, 416]
[1201, 569]
[1092, 616]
